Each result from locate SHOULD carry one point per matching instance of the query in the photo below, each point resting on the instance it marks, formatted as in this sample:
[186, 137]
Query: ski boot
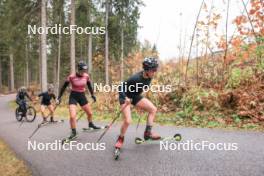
[148, 135]
[118, 145]
[92, 126]
[44, 121]
[70, 138]
[52, 120]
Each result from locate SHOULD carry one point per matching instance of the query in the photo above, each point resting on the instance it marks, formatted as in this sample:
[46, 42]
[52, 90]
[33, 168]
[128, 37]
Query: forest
[221, 85]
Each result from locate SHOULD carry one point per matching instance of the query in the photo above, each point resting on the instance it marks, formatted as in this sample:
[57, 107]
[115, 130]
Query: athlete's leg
[88, 110]
[126, 122]
[51, 110]
[146, 105]
[126, 118]
[72, 109]
[42, 110]
[149, 107]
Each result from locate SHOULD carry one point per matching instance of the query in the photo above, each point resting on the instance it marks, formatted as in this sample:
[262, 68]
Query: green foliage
[212, 124]
[260, 66]
[238, 76]
[260, 48]
[196, 118]
[15, 16]
[236, 118]
[196, 98]
[250, 126]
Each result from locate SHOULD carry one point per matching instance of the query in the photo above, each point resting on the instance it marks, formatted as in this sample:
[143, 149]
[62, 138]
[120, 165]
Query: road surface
[138, 160]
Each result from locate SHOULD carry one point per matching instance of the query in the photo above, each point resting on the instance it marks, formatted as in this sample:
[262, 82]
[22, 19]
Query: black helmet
[82, 66]
[150, 63]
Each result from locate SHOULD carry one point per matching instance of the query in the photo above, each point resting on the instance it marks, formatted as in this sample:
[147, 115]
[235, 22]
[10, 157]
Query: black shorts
[135, 99]
[45, 103]
[78, 98]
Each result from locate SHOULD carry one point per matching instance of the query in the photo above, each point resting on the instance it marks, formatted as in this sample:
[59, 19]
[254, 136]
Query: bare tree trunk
[190, 50]
[180, 49]
[39, 77]
[1, 79]
[30, 78]
[226, 28]
[122, 51]
[208, 30]
[90, 45]
[27, 69]
[54, 65]
[106, 45]
[207, 40]
[11, 69]
[81, 49]
[73, 37]
[43, 48]
[182, 58]
[58, 66]
[90, 53]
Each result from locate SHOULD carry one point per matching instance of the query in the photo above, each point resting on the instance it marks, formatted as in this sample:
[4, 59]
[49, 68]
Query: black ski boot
[71, 137]
[148, 135]
[52, 120]
[92, 126]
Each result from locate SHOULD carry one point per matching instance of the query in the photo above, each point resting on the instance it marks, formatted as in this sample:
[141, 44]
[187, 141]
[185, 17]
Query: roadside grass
[10, 165]
[204, 120]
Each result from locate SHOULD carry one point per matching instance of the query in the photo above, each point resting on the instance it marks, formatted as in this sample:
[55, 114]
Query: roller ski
[118, 146]
[72, 137]
[89, 129]
[44, 123]
[149, 138]
[56, 121]
[92, 127]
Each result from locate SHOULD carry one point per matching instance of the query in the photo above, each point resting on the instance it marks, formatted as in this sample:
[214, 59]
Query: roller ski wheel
[177, 137]
[117, 153]
[139, 140]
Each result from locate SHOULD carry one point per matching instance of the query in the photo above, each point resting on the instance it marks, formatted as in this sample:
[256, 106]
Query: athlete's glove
[94, 98]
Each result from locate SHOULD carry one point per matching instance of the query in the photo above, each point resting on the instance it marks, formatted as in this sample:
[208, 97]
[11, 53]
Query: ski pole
[80, 116]
[138, 123]
[113, 121]
[21, 123]
[40, 125]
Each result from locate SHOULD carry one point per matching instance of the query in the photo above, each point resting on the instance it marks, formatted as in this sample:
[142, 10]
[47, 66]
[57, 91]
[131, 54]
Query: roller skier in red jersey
[78, 82]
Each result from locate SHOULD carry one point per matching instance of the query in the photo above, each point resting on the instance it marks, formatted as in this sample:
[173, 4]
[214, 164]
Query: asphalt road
[140, 160]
